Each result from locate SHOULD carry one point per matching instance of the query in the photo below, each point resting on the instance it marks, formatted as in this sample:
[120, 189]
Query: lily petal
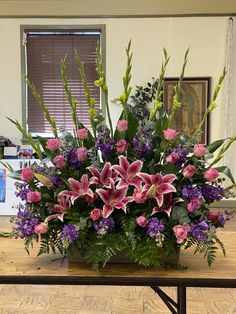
[104, 195]
[106, 211]
[169, 178]
[75, 185]
[165, 188]
[134, 168]
[124, 163]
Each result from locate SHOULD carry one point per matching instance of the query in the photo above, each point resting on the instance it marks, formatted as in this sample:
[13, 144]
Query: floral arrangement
[143, 188]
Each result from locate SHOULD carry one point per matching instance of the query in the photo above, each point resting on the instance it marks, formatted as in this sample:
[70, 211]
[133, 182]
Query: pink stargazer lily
[114, 198]
[63, 205]
[59, 216]
[128, 173]
[79, 189]
[156, 185]
[104, 177]
[168, 203]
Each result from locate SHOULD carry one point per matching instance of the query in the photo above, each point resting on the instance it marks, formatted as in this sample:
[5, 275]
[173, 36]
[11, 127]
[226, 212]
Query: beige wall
[205, 35]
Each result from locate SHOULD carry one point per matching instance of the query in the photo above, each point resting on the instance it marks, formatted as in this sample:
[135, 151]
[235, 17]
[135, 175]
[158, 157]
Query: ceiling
[114, 8]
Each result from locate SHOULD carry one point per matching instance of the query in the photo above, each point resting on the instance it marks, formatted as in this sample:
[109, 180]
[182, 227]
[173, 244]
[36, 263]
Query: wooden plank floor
[27, 299]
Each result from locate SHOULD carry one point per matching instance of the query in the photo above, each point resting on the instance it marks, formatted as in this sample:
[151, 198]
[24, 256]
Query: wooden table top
[17, 267]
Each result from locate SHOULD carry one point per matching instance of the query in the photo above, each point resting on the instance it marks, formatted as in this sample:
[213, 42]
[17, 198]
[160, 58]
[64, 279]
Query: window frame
[24, 88]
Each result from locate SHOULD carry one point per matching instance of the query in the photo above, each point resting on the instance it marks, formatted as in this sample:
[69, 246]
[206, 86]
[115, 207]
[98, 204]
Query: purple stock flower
[180, 155]
[201, 230]
[226, 216]
[69, 234]
[24, 224]
[104, 143]
[56, 181]
[72, 158]
[142, 145]
[191, 192]
[155, 227]
[104, 225]
[212, 193]
[23, 194]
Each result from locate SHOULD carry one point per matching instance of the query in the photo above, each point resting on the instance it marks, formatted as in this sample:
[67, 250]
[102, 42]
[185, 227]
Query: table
[16, 267]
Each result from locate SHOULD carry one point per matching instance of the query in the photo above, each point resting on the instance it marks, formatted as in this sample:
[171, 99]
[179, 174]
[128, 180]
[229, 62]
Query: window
[43, 51]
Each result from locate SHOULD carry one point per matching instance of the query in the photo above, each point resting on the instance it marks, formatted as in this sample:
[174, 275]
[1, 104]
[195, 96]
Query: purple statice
[69, 234]
[155, 227]
[179, 155]
[201, 231]
[24, 224]
[142, 145]
[104, 225]
[191, 192]
[226, 216]
[104, 143]
[56, 181]
[212, 193]
[23, 194]
[72, 159]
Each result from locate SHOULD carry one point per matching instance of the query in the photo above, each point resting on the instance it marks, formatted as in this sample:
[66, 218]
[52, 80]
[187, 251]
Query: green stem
[101, 82]
[177, 89]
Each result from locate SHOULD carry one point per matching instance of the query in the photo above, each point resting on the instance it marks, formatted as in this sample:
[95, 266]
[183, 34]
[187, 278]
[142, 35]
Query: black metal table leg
[181, 300]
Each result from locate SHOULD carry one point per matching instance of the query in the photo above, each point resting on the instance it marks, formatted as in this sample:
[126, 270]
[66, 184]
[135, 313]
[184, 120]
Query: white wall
[204, 35]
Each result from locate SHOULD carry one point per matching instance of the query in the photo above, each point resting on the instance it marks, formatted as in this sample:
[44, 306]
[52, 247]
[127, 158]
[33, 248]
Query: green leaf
[225, 170]
[215, 145]
[180, 214]
[15, 175]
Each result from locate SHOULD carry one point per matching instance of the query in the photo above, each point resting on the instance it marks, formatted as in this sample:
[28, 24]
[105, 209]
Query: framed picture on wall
[195, 97]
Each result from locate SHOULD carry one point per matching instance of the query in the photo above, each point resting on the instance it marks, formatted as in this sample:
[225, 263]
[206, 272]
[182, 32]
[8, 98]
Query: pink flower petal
[122, 184]
[104, 195]
[145, 177]
[58, 208]
[128, 199]
[165, 188]
[119, 194]
[106, 211]
[120, 170]
[156, 178]
[84, 182]
[159, 199]
[94, 172]
[169, 178]
[75, 185]
[134, 168]
[124, 163]
[120, 205]
[106, 172]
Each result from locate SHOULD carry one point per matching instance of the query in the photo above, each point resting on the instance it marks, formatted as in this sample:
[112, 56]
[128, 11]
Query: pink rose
[59, 161]
[82, 134]
[121, 146]
[41, 228]
[195, 204]
[181, 233]
[171, 158]
[140, 196]
[170, 134]
[211, 175]
[122, 125]
[53, 144]
[214, 216]
[33, 197]
[82, 153]
[189, 171]
[199, 150]
[141, 221]
[96, 213]
[27, 174]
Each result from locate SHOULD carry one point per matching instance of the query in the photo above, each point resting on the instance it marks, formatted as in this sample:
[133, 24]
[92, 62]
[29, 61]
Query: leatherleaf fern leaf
[206, 248]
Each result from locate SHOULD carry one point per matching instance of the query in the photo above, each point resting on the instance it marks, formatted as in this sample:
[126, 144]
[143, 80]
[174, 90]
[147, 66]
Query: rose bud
[96, 213]
[53, 144]
[27, 174]
[189, 171]
[59, 161]
[181, 232]
[214, 216]
[121, 146]
[199, 150]
[41, 228]
[141, 221]
[82, 134]
[122, 126]
[195, 204]
[33, 197]
[211, 175]
[170, 134]
[82, 153]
